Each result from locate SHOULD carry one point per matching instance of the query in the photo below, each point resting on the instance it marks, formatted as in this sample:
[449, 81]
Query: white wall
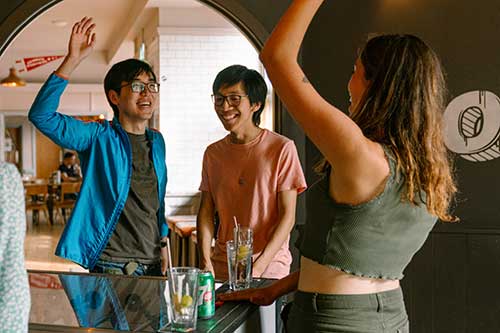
[78, 99]
[197, 17]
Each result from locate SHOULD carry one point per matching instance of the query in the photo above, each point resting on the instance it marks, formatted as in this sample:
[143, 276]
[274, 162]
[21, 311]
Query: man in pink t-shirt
[252, 174]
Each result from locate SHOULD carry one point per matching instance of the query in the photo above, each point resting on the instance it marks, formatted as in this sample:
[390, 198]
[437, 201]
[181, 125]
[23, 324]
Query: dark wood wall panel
[449, 264]
[453, 284]
[483, 292]
[418, 279]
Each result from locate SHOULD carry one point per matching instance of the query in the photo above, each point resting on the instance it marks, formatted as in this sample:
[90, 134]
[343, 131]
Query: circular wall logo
[472, 126]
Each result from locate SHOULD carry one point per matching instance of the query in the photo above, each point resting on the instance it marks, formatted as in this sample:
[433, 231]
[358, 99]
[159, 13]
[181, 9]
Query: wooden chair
[66, 198]
[193, 249]
[36, 200]
[180, 227]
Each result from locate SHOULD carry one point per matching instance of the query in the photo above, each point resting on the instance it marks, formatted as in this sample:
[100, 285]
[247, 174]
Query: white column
[2, 137]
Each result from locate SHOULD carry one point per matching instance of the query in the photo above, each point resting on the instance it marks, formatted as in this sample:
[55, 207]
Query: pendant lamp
[13, 80]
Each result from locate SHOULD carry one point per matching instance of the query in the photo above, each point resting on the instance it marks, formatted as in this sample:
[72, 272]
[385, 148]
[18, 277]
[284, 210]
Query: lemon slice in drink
[243, 251]
[183, 302]
[186, 301]
[177, 302]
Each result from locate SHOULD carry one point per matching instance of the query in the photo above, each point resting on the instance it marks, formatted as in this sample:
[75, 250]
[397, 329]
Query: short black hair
[124, 71]
[253, 82]
[68, 154]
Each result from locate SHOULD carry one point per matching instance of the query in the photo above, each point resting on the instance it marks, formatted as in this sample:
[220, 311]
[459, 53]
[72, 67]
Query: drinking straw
[170, 264]
[237, 233]
[169, 254]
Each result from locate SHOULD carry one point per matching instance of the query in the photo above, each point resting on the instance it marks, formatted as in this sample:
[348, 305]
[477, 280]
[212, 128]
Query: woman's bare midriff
[316, 278]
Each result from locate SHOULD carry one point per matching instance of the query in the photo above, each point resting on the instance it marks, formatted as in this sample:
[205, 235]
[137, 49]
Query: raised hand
[82, 40]
[81, 44]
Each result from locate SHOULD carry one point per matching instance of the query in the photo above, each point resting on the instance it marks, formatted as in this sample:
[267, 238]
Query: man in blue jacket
[118, 222]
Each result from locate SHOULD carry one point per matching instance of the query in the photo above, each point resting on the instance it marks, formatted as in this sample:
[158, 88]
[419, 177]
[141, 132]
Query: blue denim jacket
[106, 162]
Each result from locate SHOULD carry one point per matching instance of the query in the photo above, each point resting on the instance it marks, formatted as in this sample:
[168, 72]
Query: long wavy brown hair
[402, 108]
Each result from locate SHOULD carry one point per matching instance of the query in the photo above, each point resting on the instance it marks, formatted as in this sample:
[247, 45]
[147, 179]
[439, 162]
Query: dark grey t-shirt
[137, 236]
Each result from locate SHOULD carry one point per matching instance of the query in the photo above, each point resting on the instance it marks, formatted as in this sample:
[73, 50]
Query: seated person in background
[118, 221]
[70, 171]
[252, 174]
[14, 289]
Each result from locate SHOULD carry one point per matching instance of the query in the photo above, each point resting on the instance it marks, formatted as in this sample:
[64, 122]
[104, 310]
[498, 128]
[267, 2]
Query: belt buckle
[130, 267]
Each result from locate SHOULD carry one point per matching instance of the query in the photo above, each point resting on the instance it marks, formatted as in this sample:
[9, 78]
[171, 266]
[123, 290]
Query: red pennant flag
[31, 63]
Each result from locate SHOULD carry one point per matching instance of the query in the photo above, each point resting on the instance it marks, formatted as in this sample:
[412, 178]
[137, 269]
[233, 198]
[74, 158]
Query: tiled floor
[39, 246]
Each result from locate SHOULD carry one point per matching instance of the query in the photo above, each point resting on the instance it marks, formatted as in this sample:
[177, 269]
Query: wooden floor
[40, 244]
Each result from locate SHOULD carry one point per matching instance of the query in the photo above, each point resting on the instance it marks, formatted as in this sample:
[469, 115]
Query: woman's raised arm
[338, 138]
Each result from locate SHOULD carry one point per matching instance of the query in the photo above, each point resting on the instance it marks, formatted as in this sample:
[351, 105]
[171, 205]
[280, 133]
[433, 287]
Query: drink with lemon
[183, 292]
[239, 259]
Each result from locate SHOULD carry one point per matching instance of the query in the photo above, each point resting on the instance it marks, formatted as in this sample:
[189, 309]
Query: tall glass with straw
[239, 257]
[183, 292]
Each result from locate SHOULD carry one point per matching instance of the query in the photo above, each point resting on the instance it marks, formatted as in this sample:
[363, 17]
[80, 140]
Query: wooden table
[51, 194]
[36, 193]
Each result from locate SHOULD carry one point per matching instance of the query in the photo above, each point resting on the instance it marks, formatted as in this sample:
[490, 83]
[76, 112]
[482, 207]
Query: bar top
[62, 302]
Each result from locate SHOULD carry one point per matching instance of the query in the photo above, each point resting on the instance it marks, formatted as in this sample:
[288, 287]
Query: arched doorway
[40, 14]
[17, 17]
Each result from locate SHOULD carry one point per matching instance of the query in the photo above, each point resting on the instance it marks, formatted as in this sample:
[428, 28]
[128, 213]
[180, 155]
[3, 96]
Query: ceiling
[117, 24]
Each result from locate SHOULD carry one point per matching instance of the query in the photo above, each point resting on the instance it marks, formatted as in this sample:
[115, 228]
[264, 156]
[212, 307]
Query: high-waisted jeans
[369, 313]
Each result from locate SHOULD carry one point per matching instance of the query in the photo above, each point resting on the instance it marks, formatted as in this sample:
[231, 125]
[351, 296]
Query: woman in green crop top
[387, 179]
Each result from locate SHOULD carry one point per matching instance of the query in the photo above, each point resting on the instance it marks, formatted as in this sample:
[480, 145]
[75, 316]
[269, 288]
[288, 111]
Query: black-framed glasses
[139, 87]
[232, 100]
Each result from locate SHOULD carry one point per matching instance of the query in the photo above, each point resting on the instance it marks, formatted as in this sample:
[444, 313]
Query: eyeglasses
[139, 87]
[232, 100]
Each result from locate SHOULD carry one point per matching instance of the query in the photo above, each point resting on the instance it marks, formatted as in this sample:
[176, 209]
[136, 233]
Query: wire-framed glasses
[139, 87]
[232, 100]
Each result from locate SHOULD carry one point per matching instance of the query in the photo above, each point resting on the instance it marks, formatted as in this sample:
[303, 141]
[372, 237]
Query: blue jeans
[130, 268]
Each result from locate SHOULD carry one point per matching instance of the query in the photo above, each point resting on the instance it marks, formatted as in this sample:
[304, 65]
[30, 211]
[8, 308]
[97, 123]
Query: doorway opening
[186, 41]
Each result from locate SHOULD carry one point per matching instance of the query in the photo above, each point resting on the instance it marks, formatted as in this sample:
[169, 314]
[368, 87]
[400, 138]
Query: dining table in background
[43, 195]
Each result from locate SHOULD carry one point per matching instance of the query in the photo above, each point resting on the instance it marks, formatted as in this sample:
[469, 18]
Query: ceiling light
[59, 23]
[13, 80]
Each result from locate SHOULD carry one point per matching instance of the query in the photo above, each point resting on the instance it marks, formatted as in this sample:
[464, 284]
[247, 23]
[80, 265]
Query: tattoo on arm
[305, 80]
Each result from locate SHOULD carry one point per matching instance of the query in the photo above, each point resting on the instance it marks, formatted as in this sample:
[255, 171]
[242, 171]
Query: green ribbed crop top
[376, 239]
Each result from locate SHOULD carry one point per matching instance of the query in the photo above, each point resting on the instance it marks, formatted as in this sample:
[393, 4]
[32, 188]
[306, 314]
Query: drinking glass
[183, 292]
[239, 259]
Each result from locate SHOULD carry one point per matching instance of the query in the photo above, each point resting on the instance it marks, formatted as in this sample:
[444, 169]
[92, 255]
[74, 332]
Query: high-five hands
[82, 40]
[81, 44]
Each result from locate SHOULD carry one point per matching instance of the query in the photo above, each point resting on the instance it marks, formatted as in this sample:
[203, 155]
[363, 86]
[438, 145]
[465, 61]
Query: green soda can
[206, 295]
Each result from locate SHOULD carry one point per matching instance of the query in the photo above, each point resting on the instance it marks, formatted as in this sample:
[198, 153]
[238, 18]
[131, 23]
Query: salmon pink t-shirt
[244, 181]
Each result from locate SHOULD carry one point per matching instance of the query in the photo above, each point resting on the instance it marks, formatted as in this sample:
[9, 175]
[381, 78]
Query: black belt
[129, 268]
